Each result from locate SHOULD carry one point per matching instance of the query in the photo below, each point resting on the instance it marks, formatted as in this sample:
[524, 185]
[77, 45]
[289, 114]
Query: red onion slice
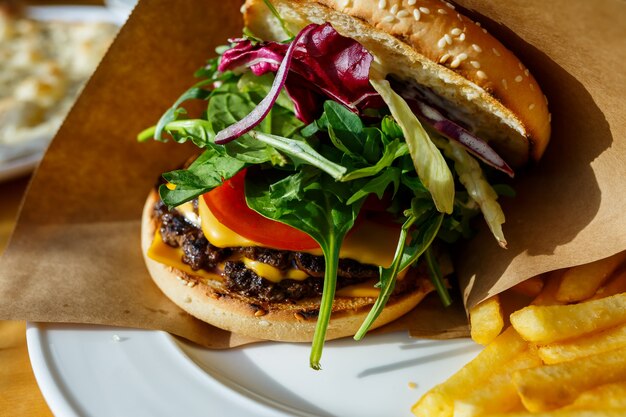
[259, 113]
[451, 130]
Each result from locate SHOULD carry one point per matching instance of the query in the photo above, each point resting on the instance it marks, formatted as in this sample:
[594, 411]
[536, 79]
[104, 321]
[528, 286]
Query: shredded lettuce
[479, 189]
[429, 163]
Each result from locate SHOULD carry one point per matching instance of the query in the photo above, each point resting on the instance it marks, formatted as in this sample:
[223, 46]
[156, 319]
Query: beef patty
[177, 232]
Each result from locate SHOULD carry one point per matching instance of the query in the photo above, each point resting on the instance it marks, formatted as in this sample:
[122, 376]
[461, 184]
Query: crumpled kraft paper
[75, 254]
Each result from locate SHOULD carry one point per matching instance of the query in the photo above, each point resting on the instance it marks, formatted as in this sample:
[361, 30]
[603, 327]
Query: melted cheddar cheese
[370, 243]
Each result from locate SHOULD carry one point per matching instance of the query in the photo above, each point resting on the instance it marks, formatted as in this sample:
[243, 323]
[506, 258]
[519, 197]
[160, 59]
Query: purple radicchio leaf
[453, 131]
[257, 115]
[325, 65]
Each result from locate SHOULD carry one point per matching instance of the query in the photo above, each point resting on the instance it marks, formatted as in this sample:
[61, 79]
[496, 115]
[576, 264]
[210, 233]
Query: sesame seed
[412, 385]
[475, 64]
[425, 10]
[242, 9]
[457, 61]
[441, 43]
[495, 52]
[260, 312]
[298, 316]
[394, 9]
[481, 74]
[403, 13]
[448, 39]
[518, 79]
[532, 87]
[450, 5]
[526, 73]
[346, 3]
[389, 18]
[545, 98]
[441, 11]
[456, 32]
[549, 117]
[532, 106]
[116, 338]
[505, 84]
[462, 37]
[476, 48]
[477, 24]
[484, 30]
[416, 14]
[264, 323]
[519, 64]
[444, 58]
[411, 2]
[382, 4]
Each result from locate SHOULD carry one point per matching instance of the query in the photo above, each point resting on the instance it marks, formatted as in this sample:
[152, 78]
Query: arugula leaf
[346, 127]
[262, 85]
[437, 279]
[322, 216]
[176, 111]
[199, 131]
[227, 105]
[300, 152]
[391, 128]
[392, 151]
[404, 257]
[205, 173]
[378, 185]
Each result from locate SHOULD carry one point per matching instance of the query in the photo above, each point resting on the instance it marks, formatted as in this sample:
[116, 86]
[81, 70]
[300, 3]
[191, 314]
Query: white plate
[19, 166]
[91, 371]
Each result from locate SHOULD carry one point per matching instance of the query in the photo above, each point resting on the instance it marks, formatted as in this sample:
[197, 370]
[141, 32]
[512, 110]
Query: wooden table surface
[19, 393]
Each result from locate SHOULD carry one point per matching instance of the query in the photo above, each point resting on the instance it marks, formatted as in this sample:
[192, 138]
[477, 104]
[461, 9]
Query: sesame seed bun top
[430, 42]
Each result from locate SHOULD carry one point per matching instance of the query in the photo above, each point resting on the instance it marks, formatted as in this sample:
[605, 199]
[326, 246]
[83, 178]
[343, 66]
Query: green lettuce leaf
[430, 165]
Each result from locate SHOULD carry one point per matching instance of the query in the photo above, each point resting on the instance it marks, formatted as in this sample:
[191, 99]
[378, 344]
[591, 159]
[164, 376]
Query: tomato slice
[228, 204]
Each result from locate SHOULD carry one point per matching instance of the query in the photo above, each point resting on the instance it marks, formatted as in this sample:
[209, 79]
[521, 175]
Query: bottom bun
[209, 301]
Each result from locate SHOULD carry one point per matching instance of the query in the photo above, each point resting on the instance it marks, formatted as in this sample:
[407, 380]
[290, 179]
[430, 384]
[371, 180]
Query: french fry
[581, 282]
[549, 387]
[552, 282]
[566, 413]
[548, 324]
[497, 394]
[531, 287]
[610, 339]
[604, 397]
[486, 320]
[439, 401]
[616, 285]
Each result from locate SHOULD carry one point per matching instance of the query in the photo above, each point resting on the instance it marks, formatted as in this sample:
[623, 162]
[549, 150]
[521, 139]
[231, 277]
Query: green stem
[146, 134]
[331, 256]
[386, 291]
[437, 279]
[283, 24]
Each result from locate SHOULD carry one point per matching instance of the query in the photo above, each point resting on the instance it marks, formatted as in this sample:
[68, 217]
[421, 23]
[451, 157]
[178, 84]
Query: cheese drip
[370, 243]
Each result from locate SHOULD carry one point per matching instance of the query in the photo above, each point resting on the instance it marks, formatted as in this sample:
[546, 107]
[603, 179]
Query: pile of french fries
[555, 345]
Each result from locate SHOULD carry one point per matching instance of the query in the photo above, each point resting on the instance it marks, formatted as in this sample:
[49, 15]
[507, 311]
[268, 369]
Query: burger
[341, 147]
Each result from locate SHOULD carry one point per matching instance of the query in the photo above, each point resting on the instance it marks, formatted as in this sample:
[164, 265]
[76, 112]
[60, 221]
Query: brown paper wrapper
[75, 254]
